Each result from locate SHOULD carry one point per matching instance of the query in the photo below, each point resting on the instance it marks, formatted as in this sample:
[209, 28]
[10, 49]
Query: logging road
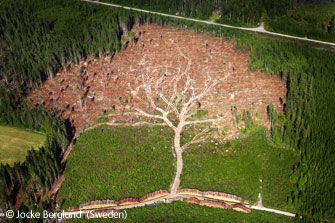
[259, 29]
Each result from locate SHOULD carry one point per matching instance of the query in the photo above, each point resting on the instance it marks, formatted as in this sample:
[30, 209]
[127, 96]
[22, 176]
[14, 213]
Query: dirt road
[259, 29]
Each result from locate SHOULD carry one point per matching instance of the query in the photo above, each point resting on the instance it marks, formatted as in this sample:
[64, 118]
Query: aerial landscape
[167, 111]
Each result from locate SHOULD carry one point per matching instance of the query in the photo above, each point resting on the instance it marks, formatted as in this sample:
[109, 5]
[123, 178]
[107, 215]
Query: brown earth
[102, 84]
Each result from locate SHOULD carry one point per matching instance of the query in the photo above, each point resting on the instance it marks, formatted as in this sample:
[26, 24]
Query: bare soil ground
[84, 91]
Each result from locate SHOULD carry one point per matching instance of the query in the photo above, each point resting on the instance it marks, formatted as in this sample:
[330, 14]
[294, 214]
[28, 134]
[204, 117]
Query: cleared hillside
[100, 86]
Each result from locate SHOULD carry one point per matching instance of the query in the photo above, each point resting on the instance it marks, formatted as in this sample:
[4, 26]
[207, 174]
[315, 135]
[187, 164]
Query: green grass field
[238, 166]
[118, 162]
[14, 144]
[182, 212]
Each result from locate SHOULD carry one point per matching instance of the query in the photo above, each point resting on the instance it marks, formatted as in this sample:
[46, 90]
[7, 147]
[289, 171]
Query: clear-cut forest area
[106, 109]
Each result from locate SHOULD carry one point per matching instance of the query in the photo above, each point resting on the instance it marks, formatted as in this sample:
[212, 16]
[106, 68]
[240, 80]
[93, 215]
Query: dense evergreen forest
[233, 11]
[311, 18]
[307, 19]
[308, 123]
[237, 12]
[24, 185]
[39, 37]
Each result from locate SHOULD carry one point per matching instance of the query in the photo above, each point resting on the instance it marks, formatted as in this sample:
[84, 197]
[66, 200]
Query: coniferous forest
[309, 18]
[233, 12]
[37, 38]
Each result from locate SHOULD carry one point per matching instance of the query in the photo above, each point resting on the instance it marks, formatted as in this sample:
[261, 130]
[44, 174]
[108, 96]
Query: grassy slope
[115, 163]
[238, 171]
[183, 212]
[14, 143]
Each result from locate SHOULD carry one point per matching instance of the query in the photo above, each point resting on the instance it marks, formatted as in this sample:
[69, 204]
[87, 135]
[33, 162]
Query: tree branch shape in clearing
[173, 97]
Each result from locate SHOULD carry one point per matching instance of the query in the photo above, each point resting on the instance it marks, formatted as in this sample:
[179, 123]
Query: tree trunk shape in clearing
[179, 169]
[164, 93]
